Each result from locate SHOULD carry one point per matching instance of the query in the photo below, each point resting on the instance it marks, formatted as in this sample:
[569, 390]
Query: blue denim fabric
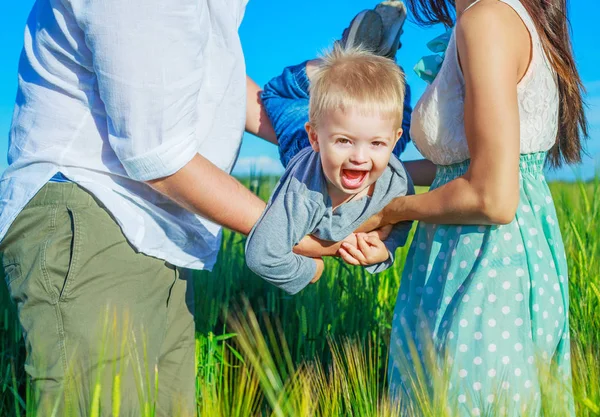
[286, 99]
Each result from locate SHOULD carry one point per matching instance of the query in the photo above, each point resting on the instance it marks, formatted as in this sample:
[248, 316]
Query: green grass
[323, 352]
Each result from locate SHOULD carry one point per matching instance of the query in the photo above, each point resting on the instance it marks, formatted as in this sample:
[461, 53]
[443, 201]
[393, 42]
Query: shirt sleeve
[147, 58]
[269, 254]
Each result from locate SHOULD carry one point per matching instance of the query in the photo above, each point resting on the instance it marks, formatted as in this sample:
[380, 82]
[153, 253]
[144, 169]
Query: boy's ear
[399, 133]
[312, 136]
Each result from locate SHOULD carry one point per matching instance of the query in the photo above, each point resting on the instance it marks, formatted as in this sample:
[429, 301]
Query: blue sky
[279, 33]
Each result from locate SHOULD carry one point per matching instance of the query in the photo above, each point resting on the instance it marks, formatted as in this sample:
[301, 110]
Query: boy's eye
[343, 140]
[378, 143]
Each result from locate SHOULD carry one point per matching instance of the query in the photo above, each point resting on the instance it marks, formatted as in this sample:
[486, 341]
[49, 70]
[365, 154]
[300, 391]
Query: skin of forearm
[421, 171]
[457, 202]
[315, 248]
[257, 121]
[203, 188]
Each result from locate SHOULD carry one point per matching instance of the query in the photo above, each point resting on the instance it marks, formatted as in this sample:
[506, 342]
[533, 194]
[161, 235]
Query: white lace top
[437, 126]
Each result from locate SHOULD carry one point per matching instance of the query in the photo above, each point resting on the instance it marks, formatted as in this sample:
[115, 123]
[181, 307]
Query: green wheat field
[323, 352]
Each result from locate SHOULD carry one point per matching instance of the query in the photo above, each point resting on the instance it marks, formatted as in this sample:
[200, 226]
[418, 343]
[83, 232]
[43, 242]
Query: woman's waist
[531, 164]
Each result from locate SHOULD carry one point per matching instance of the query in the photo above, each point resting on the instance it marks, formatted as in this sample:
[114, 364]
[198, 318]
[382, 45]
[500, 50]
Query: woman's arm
[494, 48]
[421, 171]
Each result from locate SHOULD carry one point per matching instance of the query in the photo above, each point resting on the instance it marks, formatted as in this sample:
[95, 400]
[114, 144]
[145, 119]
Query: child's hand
[320, 268]
[371, 250]
[351, 239]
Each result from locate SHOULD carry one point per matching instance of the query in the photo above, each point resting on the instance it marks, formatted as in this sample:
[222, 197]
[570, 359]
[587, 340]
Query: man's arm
[148, 59]
[203, 188]
[257, 121]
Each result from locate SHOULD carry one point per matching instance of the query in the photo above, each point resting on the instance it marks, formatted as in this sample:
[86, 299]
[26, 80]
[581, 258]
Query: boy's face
[355, 148]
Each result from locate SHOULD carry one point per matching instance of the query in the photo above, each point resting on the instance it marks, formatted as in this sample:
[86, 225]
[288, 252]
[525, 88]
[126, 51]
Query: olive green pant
[106, 328]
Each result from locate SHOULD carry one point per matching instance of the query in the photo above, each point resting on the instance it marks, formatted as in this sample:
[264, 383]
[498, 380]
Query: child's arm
[269, 253]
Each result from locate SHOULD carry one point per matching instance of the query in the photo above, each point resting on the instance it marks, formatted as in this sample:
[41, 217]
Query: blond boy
[347, 175]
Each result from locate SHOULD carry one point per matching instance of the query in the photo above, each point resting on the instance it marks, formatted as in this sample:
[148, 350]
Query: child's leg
[285, 99]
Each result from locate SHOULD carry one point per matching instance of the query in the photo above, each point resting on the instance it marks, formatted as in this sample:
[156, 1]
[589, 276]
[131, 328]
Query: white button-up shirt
[116, 92]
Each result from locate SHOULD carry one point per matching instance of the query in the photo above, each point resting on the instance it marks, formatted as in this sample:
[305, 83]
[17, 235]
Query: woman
[485, 283]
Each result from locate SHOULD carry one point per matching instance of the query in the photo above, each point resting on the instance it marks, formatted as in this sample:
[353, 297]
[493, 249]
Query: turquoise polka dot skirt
[483, 310]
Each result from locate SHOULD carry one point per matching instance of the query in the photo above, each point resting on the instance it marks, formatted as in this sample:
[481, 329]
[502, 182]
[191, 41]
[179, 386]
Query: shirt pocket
[61, 253]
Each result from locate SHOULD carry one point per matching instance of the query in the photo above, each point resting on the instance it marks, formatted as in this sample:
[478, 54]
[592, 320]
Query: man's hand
[383, 232]
[377, 221]
[369, 250]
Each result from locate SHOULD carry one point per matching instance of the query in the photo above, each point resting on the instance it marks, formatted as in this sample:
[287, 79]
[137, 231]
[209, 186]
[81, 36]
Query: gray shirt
[300, 205]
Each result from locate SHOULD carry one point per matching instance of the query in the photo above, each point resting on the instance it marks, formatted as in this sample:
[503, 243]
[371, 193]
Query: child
[346, 176]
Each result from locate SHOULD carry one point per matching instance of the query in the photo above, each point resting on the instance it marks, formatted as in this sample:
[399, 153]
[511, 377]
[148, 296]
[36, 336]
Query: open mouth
[353, 179]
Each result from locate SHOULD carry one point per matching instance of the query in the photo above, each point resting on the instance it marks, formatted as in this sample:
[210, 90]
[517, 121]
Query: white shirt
[116, 92]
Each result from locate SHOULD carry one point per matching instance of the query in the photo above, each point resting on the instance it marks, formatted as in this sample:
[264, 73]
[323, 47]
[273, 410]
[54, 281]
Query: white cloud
[258, 164]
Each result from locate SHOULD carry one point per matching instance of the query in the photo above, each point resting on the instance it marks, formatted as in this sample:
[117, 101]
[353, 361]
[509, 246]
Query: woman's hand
[370, 250]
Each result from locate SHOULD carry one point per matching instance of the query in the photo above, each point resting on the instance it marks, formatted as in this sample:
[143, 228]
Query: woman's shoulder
[494, 29]
[497, 17]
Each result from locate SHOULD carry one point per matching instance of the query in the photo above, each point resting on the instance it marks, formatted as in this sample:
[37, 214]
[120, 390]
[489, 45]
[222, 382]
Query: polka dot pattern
[499, 296]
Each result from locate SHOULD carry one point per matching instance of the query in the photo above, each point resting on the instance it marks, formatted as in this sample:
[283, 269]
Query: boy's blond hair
[356, 79]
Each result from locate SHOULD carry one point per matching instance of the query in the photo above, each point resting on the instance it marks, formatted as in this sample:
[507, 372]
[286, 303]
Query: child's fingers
[354, 252]
[362, 244]
[347, 257]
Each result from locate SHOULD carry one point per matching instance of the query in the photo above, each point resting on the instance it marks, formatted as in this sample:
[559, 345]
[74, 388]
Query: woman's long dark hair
[552, 24]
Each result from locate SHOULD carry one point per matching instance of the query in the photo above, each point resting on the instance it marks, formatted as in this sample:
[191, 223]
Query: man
[128, 120]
